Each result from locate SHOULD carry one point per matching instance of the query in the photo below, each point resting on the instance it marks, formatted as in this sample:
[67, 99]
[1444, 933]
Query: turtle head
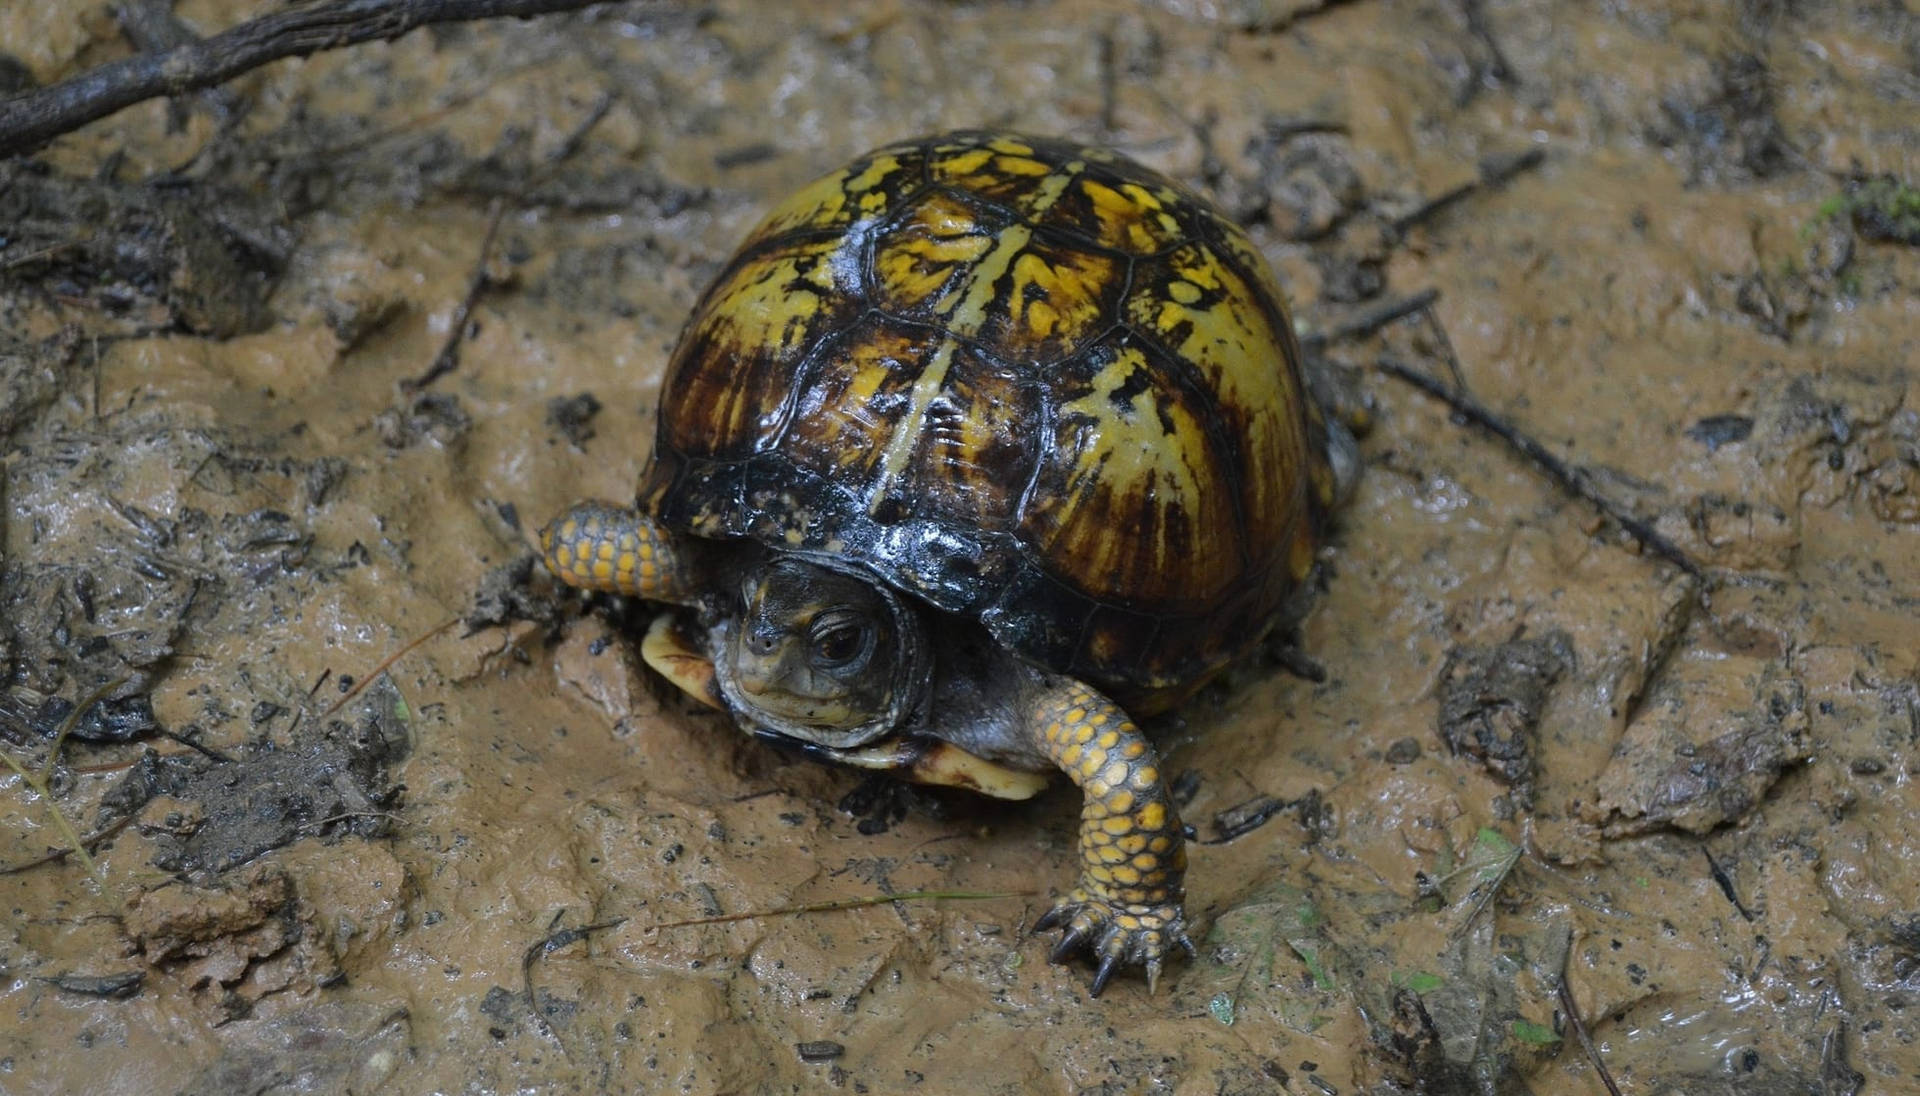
[821, 653]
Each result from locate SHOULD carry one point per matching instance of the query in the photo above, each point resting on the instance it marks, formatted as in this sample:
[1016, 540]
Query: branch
[1574, 481]
[30, 120]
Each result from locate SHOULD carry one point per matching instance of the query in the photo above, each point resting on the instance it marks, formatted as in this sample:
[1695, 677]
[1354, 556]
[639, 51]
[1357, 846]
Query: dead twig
[1571, 479]
[552, 943]
[387, 664]
[73, 720]
[1579, 1026]
[449, 356]
[86, 845]
[1371, 319]
[1492, 173]
[30, 120]
[837, 905]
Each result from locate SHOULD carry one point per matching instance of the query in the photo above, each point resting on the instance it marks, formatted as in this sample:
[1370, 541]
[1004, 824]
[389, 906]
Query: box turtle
[978, 449]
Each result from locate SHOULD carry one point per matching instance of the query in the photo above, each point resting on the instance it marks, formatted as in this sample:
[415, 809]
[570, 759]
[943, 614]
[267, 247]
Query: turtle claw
[1118, 934]
[1069, 943]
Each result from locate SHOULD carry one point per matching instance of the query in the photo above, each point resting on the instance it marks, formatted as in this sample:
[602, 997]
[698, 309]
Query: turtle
[980, 449]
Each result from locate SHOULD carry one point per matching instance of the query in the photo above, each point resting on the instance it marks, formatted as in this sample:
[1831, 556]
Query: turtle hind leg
[1127, 908]
[597, 546]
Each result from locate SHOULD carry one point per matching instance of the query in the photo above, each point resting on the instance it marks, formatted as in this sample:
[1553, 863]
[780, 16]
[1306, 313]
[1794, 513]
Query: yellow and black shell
[1026, 380]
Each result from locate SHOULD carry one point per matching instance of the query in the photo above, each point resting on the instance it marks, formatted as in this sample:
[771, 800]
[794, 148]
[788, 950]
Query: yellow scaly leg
[1133, 855]
[596, 546]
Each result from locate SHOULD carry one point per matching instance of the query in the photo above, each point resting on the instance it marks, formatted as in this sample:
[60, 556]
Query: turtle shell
[1028, 381]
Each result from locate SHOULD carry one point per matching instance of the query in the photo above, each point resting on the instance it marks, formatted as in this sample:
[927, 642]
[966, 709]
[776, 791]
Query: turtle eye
[839, 638]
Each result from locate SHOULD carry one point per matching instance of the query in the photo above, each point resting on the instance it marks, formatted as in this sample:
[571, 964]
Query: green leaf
[1419, 981]
[1221, 1005]
[1310, 956]
[1539, 1035]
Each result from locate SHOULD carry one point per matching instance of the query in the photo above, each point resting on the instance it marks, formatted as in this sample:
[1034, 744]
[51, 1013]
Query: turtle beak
[753, 680]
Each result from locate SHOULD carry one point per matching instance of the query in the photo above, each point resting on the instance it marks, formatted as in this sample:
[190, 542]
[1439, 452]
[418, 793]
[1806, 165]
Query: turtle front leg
[1133, 856]
[596, 546]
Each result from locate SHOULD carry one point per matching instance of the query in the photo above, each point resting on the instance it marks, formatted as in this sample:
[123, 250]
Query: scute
[1028, 381]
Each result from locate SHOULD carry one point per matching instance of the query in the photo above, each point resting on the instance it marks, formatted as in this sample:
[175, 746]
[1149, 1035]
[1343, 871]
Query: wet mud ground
[1677, 242]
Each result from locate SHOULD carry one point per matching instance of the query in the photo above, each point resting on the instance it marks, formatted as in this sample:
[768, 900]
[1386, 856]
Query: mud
[1674, 241]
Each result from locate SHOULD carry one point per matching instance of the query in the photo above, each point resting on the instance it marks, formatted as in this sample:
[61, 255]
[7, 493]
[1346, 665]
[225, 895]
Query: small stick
[31, 120]
[840, 904]
[57, 855]
[553, 942]
[1491, 175]
[1573, 480]
[73, 720]
[448, 358]
[1579, 1026]
[387, 663]
[76, 846]
[1371, 319]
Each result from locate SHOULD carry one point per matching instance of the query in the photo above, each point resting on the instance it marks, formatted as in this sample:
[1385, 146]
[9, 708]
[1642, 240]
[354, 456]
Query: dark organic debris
[459, 328]
[510, 592]
[1365, 321]
[1413, 1049]
[1883, 208]
[1307, 183]
[1837, 1077]
[1720, 764]
[330, 782]
[819, 1050]
[119, 986]
[1728, 129]
[426, 416]
[1570, 1008]
[1724, 881]
[25, 714]
[184, 254]
[1715, 431]
[880, 802]
[572, 417]
[31, 120]
[342, 1046]
[1244, 818]
[1495, 171]
[1491, 699]
[548, 1011]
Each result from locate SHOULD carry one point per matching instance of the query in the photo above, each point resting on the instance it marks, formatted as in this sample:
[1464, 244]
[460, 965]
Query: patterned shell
[1027, 381]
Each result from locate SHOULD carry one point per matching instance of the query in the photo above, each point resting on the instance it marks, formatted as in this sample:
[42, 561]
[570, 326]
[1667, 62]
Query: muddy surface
[1676, 242]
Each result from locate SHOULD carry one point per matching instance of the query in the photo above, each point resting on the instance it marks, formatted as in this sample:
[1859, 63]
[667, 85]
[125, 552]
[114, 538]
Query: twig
[554, 942]
[838, 905]
[1109, 82]
[1492, 174]
[1497, 67]
[1371, 319]
[31, 120]
[387, 664]
[77, 846]
[1580, 1032]
[565, 150]
[86, 844]
[73, 720]
[17, 261]
[1439, 331]
[1725, 882]
[448, 358]
[1572, 480]
[151, 27]
[1277, 24]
